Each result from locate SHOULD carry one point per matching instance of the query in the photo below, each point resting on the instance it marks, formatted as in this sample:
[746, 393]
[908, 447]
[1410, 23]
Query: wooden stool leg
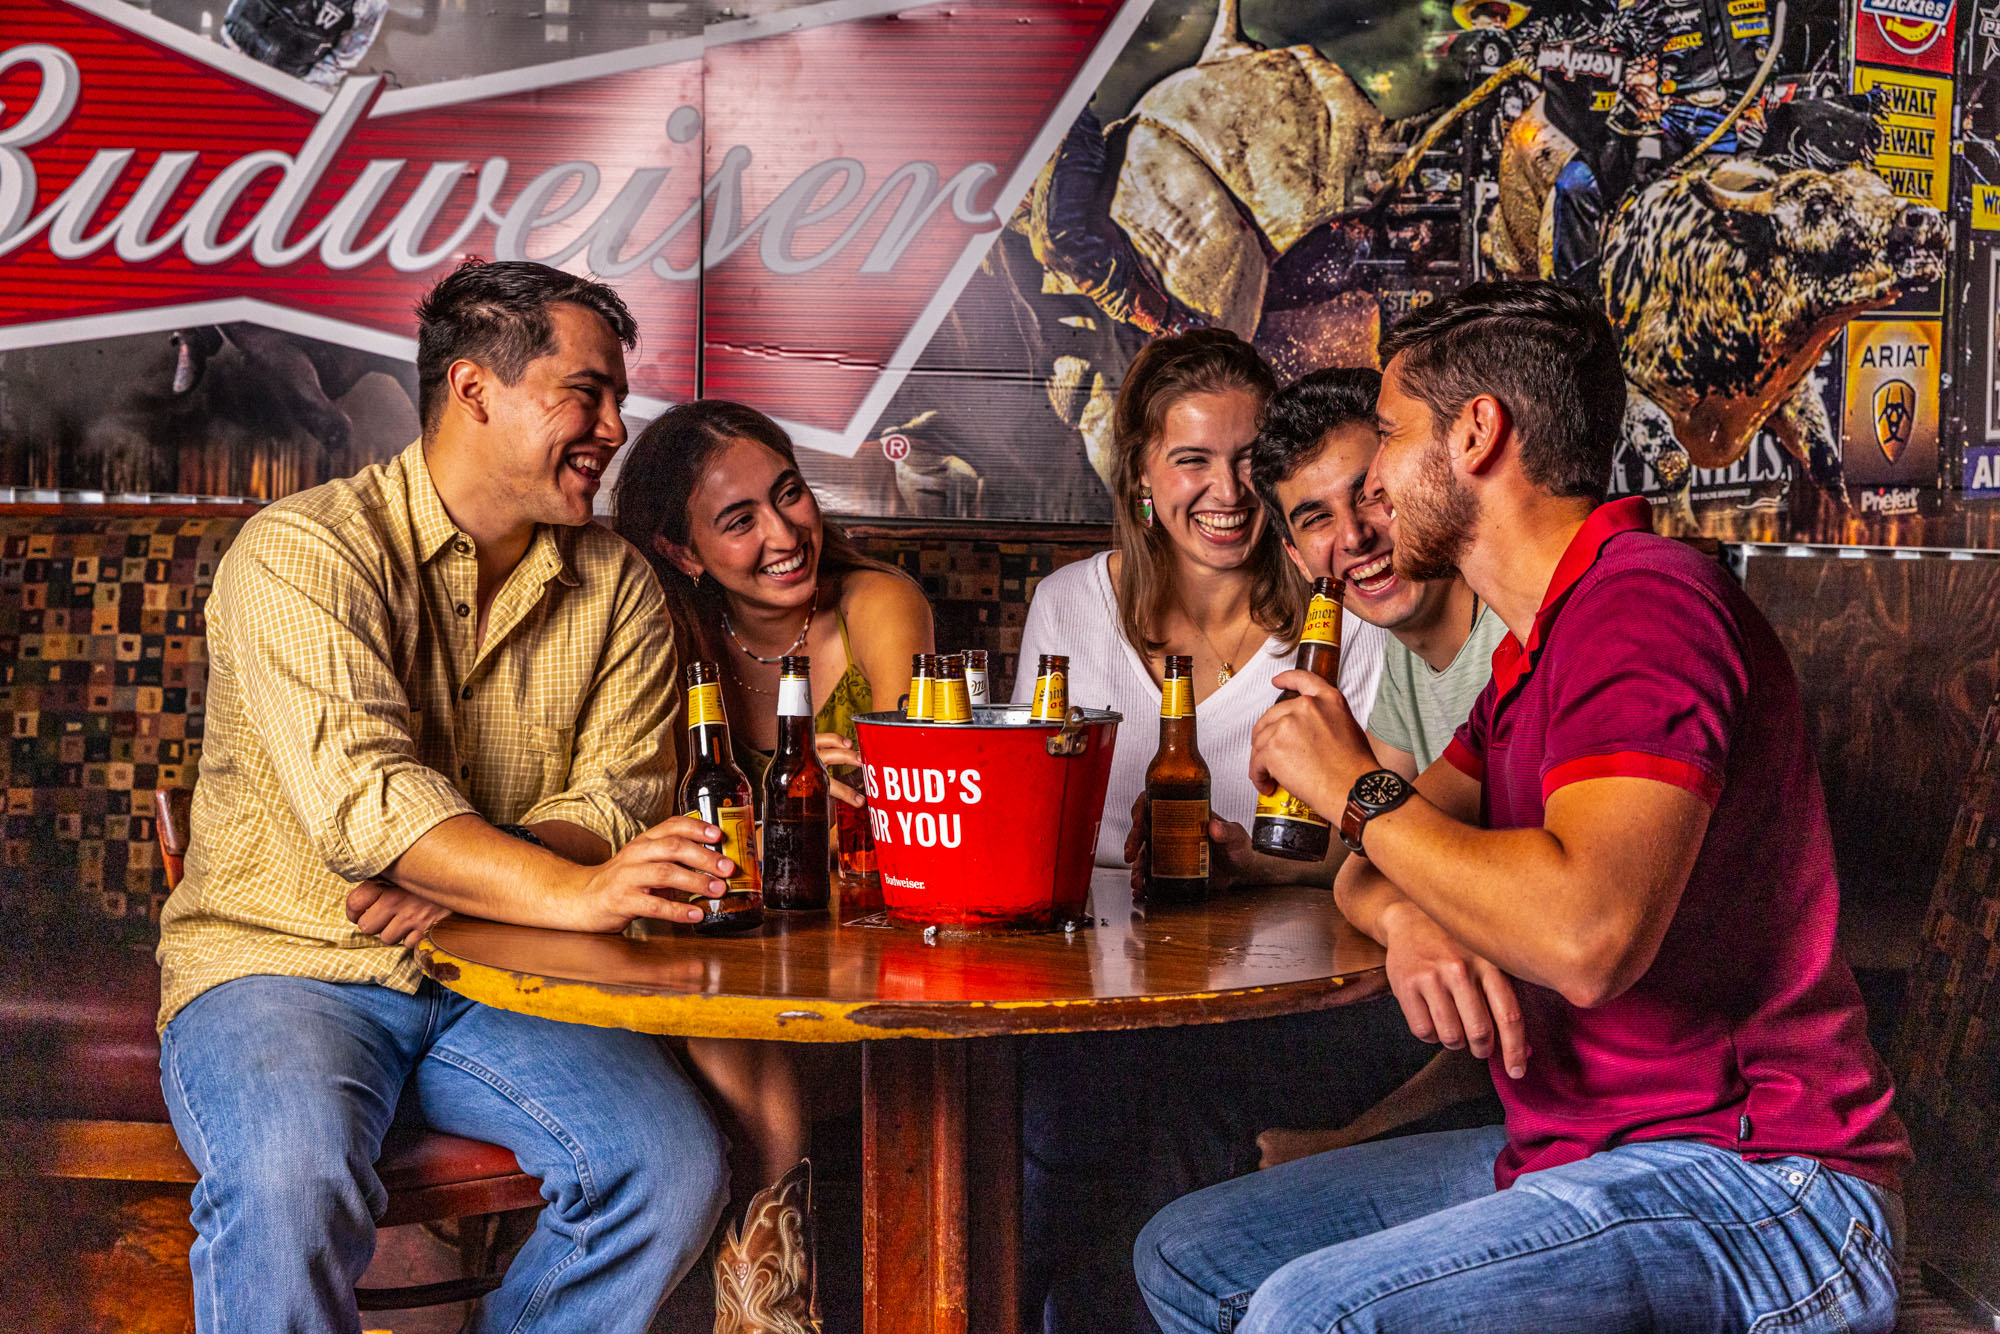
[940, 1213]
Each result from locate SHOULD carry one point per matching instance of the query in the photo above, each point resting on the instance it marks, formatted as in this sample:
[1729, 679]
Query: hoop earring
[1146, 506]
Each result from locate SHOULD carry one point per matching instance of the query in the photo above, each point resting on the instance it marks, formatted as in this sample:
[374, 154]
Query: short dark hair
[1545, 351]
[497, 314]
[1298, 419]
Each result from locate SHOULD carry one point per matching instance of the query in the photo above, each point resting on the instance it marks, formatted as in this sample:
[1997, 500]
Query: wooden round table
[935, 1017]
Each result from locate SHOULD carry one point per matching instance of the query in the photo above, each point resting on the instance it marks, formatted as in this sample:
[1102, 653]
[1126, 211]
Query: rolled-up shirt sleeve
[623, 771]
[308, 637]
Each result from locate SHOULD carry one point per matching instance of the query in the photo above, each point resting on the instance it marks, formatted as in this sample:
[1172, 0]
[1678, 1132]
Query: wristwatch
[1372, 794]
[522, 832]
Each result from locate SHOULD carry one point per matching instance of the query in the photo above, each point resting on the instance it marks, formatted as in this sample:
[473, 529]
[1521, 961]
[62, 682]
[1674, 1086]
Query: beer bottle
[1285, 826]
[716, 791]
[975, 677]
[923, 671]
[1177, 797]
[795, 800]
[949, 694]
[1051, 703]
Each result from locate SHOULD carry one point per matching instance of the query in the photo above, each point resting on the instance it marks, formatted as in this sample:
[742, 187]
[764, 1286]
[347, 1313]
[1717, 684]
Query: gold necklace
[758, 690]
[1228, 668]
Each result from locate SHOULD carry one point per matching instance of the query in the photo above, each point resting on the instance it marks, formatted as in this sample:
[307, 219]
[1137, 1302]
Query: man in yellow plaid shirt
[437, 686]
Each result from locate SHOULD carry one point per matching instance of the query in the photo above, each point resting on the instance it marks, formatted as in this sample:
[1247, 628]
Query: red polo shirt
[1747, 1032]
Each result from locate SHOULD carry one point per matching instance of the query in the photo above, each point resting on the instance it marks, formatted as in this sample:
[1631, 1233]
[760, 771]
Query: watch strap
[522, 832]
[1352, 818]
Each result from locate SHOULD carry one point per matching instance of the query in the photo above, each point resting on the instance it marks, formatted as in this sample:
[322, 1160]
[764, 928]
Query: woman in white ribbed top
[1208, 577]
[1197, 570]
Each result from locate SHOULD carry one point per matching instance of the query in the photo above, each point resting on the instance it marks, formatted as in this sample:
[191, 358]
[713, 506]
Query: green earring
[1146, 507]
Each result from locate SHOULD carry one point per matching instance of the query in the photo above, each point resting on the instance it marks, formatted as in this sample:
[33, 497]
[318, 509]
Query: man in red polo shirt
[1619, 874]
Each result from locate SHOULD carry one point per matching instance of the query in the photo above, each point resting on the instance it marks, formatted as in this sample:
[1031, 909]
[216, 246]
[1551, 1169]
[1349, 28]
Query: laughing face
[1334, 526]
[561, 419]
[1199, 470]
[754, 526]
[1432, 512]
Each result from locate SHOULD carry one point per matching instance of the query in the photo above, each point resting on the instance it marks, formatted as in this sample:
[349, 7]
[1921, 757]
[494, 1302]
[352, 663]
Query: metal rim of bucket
[995, 715]
[1069, 737]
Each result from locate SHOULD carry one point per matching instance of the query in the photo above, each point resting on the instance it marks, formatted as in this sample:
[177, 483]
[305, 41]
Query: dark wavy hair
[1298, 419]
[497, 314]
[658, 479]
[1545, 351]
[1168, 369]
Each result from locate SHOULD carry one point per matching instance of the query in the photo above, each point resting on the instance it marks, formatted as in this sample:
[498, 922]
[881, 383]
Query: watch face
[1378, 789]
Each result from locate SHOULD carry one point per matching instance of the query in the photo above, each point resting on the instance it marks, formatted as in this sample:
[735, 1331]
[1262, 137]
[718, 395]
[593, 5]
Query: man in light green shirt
[1423, 700]
[1310, 465]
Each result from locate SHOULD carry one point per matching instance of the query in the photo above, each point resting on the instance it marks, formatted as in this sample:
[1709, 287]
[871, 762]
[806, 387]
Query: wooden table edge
[705, 1015]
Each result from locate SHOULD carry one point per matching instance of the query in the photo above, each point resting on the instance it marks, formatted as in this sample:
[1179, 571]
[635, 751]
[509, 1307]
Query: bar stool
[431, 1177]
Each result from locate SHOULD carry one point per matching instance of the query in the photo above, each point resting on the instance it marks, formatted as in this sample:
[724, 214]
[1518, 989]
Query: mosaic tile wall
[1948, 1053]
[102, 672]
[979, 588]
[103, 666]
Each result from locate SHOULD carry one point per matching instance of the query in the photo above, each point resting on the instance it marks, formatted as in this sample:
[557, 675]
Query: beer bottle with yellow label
[954, 704]
[975, 677]
[923, 686]
[1177, 797]
[1285, 826]
[1051, 704]
[716, 791]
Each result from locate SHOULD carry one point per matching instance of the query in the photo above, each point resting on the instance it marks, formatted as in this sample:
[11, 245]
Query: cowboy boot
[765, 1280]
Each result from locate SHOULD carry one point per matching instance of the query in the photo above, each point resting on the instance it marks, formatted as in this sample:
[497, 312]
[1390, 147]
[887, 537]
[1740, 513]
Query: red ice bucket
[988, 825]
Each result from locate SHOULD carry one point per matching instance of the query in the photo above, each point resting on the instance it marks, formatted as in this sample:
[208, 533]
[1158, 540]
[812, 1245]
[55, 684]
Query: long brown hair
[1168, 369]
[659, 477]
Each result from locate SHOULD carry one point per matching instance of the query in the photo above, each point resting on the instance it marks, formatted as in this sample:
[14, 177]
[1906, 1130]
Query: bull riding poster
[930, 238]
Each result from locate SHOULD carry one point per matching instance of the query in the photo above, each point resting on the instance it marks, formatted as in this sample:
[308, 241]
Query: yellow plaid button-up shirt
[351, 708]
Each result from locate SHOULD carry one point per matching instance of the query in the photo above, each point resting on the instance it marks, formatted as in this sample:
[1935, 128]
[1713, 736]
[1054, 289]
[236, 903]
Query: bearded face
[1435, 515]
[1434, 512]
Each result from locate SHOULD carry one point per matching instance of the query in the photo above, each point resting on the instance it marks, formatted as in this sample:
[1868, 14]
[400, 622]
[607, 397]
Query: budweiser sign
[784, 186]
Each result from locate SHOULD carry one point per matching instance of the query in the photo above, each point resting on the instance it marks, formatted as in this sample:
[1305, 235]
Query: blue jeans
[282, 1089]
[1409, 1234]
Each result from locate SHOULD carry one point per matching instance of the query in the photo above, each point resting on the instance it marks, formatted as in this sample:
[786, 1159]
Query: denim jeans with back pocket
[1409, 1234]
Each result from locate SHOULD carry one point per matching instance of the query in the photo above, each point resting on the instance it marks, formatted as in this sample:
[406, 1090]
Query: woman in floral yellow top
[753, 572]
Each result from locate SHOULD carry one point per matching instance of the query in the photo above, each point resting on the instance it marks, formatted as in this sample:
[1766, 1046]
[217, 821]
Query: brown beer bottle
[795, 800]
[948, 692]
[1177, 797]
[975, 677]
[716, 791]
[923, 685]
[1051, 703]
[1285, 826]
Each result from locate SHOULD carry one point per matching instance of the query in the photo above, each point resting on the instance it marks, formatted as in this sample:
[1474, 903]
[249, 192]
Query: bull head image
[1728, 281]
